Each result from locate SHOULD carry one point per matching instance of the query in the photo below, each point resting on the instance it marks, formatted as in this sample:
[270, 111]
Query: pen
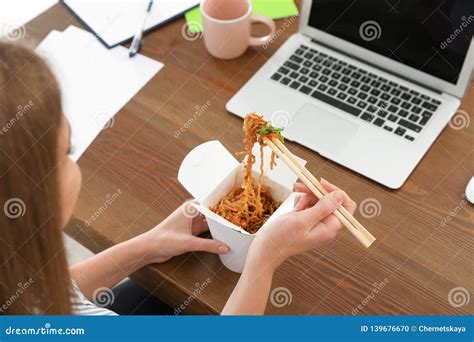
[137, 38]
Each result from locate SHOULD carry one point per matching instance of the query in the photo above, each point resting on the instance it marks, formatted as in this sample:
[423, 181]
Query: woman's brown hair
[34, 277]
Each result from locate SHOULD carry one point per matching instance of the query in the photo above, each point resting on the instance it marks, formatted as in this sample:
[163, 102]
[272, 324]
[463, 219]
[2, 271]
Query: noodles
[250, 206]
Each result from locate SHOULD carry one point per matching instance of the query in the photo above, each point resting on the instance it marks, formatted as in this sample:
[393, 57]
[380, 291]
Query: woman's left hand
[178, 234]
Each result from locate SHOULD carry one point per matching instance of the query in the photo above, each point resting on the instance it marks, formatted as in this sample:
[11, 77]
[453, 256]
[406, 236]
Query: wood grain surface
[416, 259]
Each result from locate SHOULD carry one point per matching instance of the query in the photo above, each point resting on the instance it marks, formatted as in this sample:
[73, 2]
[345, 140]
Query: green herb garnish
[268, 128]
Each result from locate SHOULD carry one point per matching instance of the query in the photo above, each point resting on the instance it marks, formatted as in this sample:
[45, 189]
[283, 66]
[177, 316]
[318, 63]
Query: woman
[39, 189]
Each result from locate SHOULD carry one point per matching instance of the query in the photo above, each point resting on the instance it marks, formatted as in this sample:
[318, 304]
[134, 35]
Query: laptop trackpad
[320, 130]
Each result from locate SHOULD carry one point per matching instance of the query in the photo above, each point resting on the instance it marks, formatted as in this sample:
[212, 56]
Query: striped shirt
[84, 307]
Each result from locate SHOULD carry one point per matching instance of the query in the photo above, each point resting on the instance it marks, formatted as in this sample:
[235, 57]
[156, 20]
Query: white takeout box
[210, 172]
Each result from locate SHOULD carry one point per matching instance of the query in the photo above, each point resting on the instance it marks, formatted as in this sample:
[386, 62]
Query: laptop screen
[432, 36]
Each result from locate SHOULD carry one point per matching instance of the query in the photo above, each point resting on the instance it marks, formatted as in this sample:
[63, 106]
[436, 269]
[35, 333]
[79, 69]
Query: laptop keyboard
[385, 104]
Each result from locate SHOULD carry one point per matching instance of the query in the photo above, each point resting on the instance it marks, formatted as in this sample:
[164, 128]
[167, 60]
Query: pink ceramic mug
[227, 27]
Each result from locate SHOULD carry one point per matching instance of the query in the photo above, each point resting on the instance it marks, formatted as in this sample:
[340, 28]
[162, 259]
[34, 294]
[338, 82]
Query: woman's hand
[311, 224]
[178, 234]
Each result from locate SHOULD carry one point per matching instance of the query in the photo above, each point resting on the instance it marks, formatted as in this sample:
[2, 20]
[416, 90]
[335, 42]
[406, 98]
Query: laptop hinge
[375, 66]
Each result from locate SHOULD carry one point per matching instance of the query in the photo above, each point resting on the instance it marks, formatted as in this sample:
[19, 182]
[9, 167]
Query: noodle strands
[250, 206]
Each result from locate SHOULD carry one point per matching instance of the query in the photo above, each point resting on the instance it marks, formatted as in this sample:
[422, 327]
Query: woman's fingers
[193, 217]
[324, 232]
[300, 187]
[207, 245]
[304, 201]
[322, 209]
[328, 186]
[348, 203]
[333, 223]
[199, 224]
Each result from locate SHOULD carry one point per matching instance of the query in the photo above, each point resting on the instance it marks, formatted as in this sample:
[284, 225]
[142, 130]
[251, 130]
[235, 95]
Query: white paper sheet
[95, 82]
[117, 20]
[16, 13]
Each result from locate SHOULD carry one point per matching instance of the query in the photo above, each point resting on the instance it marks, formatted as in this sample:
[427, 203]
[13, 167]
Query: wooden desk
[417, 258]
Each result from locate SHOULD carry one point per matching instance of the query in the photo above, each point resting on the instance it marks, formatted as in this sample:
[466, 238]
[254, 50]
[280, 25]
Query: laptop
[368, 84]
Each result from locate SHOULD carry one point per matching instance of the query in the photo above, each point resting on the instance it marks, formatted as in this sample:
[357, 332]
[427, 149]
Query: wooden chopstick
[360, 233]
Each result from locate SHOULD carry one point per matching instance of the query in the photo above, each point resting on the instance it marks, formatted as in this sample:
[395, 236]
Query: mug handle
[259, 41]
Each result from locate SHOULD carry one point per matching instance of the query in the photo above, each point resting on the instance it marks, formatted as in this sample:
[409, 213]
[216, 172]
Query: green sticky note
[274, 9]
[193, 20]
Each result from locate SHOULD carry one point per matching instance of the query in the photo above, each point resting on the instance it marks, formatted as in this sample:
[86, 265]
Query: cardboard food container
[210, 171]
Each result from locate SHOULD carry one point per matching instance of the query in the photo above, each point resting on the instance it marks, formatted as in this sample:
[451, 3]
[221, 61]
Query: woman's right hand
[311, 224]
